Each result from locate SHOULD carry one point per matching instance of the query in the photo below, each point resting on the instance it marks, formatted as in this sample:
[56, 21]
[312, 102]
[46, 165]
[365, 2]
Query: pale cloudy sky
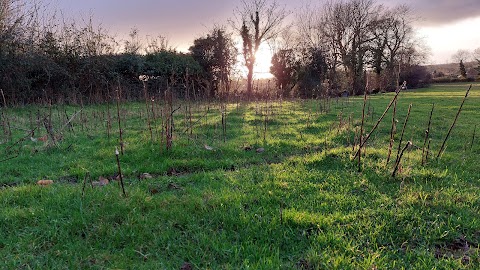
[445, 25]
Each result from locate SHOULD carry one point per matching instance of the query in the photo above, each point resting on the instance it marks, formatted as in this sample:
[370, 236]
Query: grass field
[215, 204]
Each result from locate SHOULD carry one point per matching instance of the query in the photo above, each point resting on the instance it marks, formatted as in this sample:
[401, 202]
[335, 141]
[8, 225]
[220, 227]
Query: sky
[445, 26]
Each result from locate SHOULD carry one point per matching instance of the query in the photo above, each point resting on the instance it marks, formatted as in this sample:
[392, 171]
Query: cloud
[440, 12]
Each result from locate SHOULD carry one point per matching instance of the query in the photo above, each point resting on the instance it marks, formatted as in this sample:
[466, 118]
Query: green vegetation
[299, 204]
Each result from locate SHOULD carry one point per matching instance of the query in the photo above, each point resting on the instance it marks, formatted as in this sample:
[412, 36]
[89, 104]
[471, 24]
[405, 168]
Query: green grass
[301, 204]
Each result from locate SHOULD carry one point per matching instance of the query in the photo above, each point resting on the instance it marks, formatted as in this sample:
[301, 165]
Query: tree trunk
[250, 81]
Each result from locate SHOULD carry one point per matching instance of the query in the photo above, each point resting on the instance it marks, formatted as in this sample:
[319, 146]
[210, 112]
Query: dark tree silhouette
[216, 53]
[257, 21]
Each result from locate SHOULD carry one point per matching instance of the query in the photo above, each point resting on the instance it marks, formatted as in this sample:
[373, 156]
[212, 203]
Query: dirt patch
[459, 248]
[68, 179]
[303, 264]
[8, 185]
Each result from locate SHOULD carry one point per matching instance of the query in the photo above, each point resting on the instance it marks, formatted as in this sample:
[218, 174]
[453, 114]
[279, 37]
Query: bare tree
[476, 54]
[158, 44]
[133, 45]
[462, 56]
[394, 35]
[257, 21]
[313, 37]
[348, 26]
[216, 53]
[355, 35]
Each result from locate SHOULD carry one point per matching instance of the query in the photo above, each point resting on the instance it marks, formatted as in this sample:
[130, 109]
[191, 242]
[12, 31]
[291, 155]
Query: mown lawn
[215, 203]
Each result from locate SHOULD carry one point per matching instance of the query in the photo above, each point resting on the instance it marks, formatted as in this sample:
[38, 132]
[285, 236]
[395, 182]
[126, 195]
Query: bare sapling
[162, 125]
[393, 130]
[119, 118]
[190, 121]
[224, 122]
[428, 150]
[144, 80]
[82, 118]
[169, 121]
[68, 123]
[85, 179]
[188, 107]
[427, 135]
[362, 142]
[154, 116]
[397, 164]
[403, 132]
[265, 124]
[109, 118]
[7, 131]
[361, 130]
[473, 137]
[6, 125]
[47, 123]
[13, 151]
[442, 148]
[120, 176]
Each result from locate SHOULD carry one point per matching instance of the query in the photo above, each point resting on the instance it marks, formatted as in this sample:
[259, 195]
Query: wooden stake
[403, 132]
[473, 137]
[120, 172]
[454, 122]
[393, 130]
[87, 176]
[361, 131]
[120, 131]
[362, 142]
[427, 134]
[400, 158]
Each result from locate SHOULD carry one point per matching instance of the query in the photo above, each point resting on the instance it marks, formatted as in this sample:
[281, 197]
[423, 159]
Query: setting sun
[263, 59]
[263, 62]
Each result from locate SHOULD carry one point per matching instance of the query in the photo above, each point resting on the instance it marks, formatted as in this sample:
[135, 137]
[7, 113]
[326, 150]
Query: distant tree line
[42, 60]
[464, 56]
[340, 46]
[345, 47]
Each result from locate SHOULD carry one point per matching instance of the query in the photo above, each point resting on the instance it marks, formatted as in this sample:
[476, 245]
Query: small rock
[209, 148]
[174, 186]
[43, 139]
[44, 182]
[260, 150]
[154, 191]
[172, 172]
[116, 177]
[102, 181]
[145, 176]
[186, 266]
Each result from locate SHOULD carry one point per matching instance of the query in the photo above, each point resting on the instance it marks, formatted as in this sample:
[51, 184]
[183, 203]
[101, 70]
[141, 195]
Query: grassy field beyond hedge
[278, 191]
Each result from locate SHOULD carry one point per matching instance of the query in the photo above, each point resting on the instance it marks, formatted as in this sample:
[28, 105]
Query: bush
[416, 76]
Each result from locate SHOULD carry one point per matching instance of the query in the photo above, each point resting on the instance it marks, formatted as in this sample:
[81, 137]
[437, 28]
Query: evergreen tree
[463, 71]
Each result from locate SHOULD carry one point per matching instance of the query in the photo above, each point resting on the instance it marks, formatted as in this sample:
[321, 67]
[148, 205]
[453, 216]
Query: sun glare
[263, 59]
[263, 62]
